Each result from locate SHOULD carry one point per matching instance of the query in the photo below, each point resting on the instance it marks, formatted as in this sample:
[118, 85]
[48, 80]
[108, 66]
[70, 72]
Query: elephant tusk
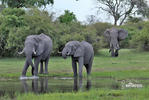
[59, 52]
[34, 51]
[21, 52]
[68, 53]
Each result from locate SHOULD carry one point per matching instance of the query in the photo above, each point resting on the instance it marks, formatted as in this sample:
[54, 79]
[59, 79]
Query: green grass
[129, 65]
[129, 94]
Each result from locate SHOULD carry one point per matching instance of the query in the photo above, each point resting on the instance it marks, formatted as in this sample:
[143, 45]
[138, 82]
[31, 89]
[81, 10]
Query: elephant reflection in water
[38, 85]
[78, 84]
[41, 85]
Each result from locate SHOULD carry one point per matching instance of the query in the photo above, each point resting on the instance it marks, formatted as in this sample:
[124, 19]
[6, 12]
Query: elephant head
[72, 48]
[115, 35]
[33, 47]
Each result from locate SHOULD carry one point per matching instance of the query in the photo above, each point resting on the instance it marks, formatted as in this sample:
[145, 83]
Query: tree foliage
[120, 10]
[16, 24]
[11, 21]
[132, 19]
[141, 37]
[26, 3]
[67, 17]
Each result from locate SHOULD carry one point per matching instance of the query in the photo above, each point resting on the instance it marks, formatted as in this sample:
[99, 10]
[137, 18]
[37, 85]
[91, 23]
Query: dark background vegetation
[20, 19]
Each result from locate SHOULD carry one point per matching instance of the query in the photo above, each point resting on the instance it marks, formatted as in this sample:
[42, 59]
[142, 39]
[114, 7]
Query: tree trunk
[115, 21]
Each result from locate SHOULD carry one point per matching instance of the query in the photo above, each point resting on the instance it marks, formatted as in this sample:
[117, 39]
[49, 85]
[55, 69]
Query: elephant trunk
[64, 53]
[29, 61]
[114, 44]
[114, 47]
[27, 64]
[29, 51]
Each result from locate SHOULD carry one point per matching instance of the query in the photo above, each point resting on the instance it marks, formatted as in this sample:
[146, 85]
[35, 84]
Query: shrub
[17, 24]
[138, 36]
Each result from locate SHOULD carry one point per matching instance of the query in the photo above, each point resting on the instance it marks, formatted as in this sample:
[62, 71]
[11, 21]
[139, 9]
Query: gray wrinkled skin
[38, 47]
[81, 52]
[114, 36]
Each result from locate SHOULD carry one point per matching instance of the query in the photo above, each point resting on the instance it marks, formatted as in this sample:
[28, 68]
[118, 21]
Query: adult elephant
[81, 52]
[38, 47]
[114, 36]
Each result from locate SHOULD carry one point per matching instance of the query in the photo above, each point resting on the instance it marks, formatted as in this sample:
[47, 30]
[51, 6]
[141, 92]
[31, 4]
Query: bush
[138, 36]
[11, 21]
[17, 24]
[132, 30]
[141, 39]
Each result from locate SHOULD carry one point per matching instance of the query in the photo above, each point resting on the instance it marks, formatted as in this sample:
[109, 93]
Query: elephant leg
[116, 53]
[89, 67]
[112, 53]
[42, 85]
[89, 84]
[35, 85]
[46, 66]
[46, 84]
[80, 83]
[74, 67]
[25, 69]
[86, 66]
[41, 67]
[36, 61]
[75, 84]
[81, 62]
[33, 70]
[25, 86]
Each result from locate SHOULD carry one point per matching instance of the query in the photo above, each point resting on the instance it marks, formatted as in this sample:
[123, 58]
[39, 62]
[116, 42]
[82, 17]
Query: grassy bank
[100, 94]
[129, 64]
[129, 94]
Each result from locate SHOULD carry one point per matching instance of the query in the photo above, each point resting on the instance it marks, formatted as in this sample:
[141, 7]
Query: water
[55, 84]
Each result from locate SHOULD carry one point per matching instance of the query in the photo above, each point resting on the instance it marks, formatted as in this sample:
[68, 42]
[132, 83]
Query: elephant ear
[79, 51]
[122, 34]
[39, 45]
[107, 34]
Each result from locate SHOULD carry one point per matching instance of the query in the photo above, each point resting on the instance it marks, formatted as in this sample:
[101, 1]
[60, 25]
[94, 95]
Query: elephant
[38, 47]
[78, 84]
[114, 36]
[37, 85]
[81, 52]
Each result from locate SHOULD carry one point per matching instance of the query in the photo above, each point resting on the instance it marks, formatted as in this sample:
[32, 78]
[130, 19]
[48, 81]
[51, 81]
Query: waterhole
[42, 85]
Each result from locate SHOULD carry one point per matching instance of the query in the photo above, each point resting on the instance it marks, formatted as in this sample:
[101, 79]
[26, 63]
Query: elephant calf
[81, 52]
[38, 47]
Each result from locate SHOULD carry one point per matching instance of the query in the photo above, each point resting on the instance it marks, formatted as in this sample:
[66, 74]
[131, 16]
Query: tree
[26, 3]
[67, 17]
[91, 19]
[142, 7]
[133, 19]
[11, 21]
[121, 9]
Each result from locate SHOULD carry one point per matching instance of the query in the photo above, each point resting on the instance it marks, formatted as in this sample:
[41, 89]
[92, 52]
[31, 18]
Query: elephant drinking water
[81, 52]
[38, 47]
